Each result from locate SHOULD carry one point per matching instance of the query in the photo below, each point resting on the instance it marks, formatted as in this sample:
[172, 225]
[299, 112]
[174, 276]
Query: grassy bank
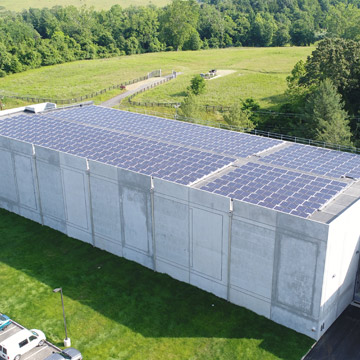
[258, 72]
[118, 310]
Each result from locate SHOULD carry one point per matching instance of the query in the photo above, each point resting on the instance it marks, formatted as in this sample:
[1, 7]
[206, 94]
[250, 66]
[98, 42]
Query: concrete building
[266, 224]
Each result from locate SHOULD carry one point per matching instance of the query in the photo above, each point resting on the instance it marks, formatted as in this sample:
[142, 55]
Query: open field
[19, 5]
[117, 309]
[259, 73]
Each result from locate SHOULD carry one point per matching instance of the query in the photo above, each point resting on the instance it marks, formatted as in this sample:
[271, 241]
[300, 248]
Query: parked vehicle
[20, 343]
[4, 321]
[68, 354]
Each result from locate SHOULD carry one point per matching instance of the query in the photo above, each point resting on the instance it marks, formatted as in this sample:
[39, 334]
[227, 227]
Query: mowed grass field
[19, 5]
[260, 73]
[116, 309]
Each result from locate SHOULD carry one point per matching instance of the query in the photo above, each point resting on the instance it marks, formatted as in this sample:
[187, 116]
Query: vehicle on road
[68, 354]
[20, 343]
[4, 321]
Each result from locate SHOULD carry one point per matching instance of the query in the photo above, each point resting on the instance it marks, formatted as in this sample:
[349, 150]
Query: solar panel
[279, 189]
[316, 160]
[200, 137]
[298, 179]
[146, 156]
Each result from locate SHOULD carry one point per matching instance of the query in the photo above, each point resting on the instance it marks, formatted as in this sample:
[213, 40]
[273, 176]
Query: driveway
[342, 340]
[131, 89]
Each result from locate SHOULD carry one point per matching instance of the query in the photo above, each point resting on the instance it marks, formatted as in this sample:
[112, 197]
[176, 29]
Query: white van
[18, 344]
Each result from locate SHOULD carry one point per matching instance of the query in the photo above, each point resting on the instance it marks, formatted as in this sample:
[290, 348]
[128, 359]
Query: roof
[17, 337]
[297, 179]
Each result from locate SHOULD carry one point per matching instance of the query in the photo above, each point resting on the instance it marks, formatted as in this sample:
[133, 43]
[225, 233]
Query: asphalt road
[342, 340]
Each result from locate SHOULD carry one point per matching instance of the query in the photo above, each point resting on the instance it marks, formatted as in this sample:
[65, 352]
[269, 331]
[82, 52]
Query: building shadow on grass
[149, 303]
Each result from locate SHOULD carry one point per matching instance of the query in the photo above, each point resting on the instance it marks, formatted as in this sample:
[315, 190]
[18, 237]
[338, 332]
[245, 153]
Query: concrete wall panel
[209, 200]
[171, 217]
[250, 301]
[294, 321]
[21, 147]
[134, 180]
[295, 224]
[26, 182]
[8, 188]
[209, 285]
[51, 190]
[135, 213]
[207, 243]
[76, 198]
[173, 190]
[256, 213]
[47, 155]
[172, 231]
[106, 209]
[296, 273]
[252, 257]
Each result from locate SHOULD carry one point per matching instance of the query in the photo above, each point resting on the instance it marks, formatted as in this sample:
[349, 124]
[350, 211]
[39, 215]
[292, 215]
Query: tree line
[324, 91]
[322, 98]
[39, 37]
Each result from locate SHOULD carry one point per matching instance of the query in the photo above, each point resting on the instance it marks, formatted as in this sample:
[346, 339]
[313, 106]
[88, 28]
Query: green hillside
[259, 73]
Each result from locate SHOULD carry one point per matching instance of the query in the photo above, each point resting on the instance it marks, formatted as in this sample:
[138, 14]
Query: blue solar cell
[115, 148]
[201, 137]
[317, 161]
[300, 194]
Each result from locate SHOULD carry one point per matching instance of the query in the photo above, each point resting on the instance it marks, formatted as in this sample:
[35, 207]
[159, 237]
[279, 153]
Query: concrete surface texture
[295, 271]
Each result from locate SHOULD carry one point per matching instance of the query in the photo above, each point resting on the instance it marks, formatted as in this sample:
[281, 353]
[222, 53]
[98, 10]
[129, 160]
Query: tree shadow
[276, 100]
[149, 303]
[179, 94]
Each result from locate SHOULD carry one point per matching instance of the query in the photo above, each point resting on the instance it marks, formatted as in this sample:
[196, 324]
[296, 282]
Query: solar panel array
[316, 160]
[297, 179]
[200, 137]
[167, 161]
[284, 190]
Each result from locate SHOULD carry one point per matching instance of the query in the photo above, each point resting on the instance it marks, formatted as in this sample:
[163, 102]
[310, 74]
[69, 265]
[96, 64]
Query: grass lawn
[118, 310]
[259, 73]
[19, 5]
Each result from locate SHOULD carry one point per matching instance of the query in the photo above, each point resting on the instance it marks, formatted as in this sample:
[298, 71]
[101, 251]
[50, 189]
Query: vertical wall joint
[152, 199]
[90, 203]
[231, 212]
[37, 184]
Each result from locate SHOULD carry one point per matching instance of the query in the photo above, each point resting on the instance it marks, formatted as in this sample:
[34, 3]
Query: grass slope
[259, 73]
[97, 4]
[118, 310]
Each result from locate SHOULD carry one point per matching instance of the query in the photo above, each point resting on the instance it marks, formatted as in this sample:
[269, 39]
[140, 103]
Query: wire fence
[77, 99]
[220, 108]
[269, 134]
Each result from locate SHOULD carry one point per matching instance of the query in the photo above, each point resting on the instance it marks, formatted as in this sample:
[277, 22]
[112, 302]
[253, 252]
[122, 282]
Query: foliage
[190, 107]
[38, 37]
[338, 60]
[327, 119]
[197, 85]
[321, 88]
[239, 117]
